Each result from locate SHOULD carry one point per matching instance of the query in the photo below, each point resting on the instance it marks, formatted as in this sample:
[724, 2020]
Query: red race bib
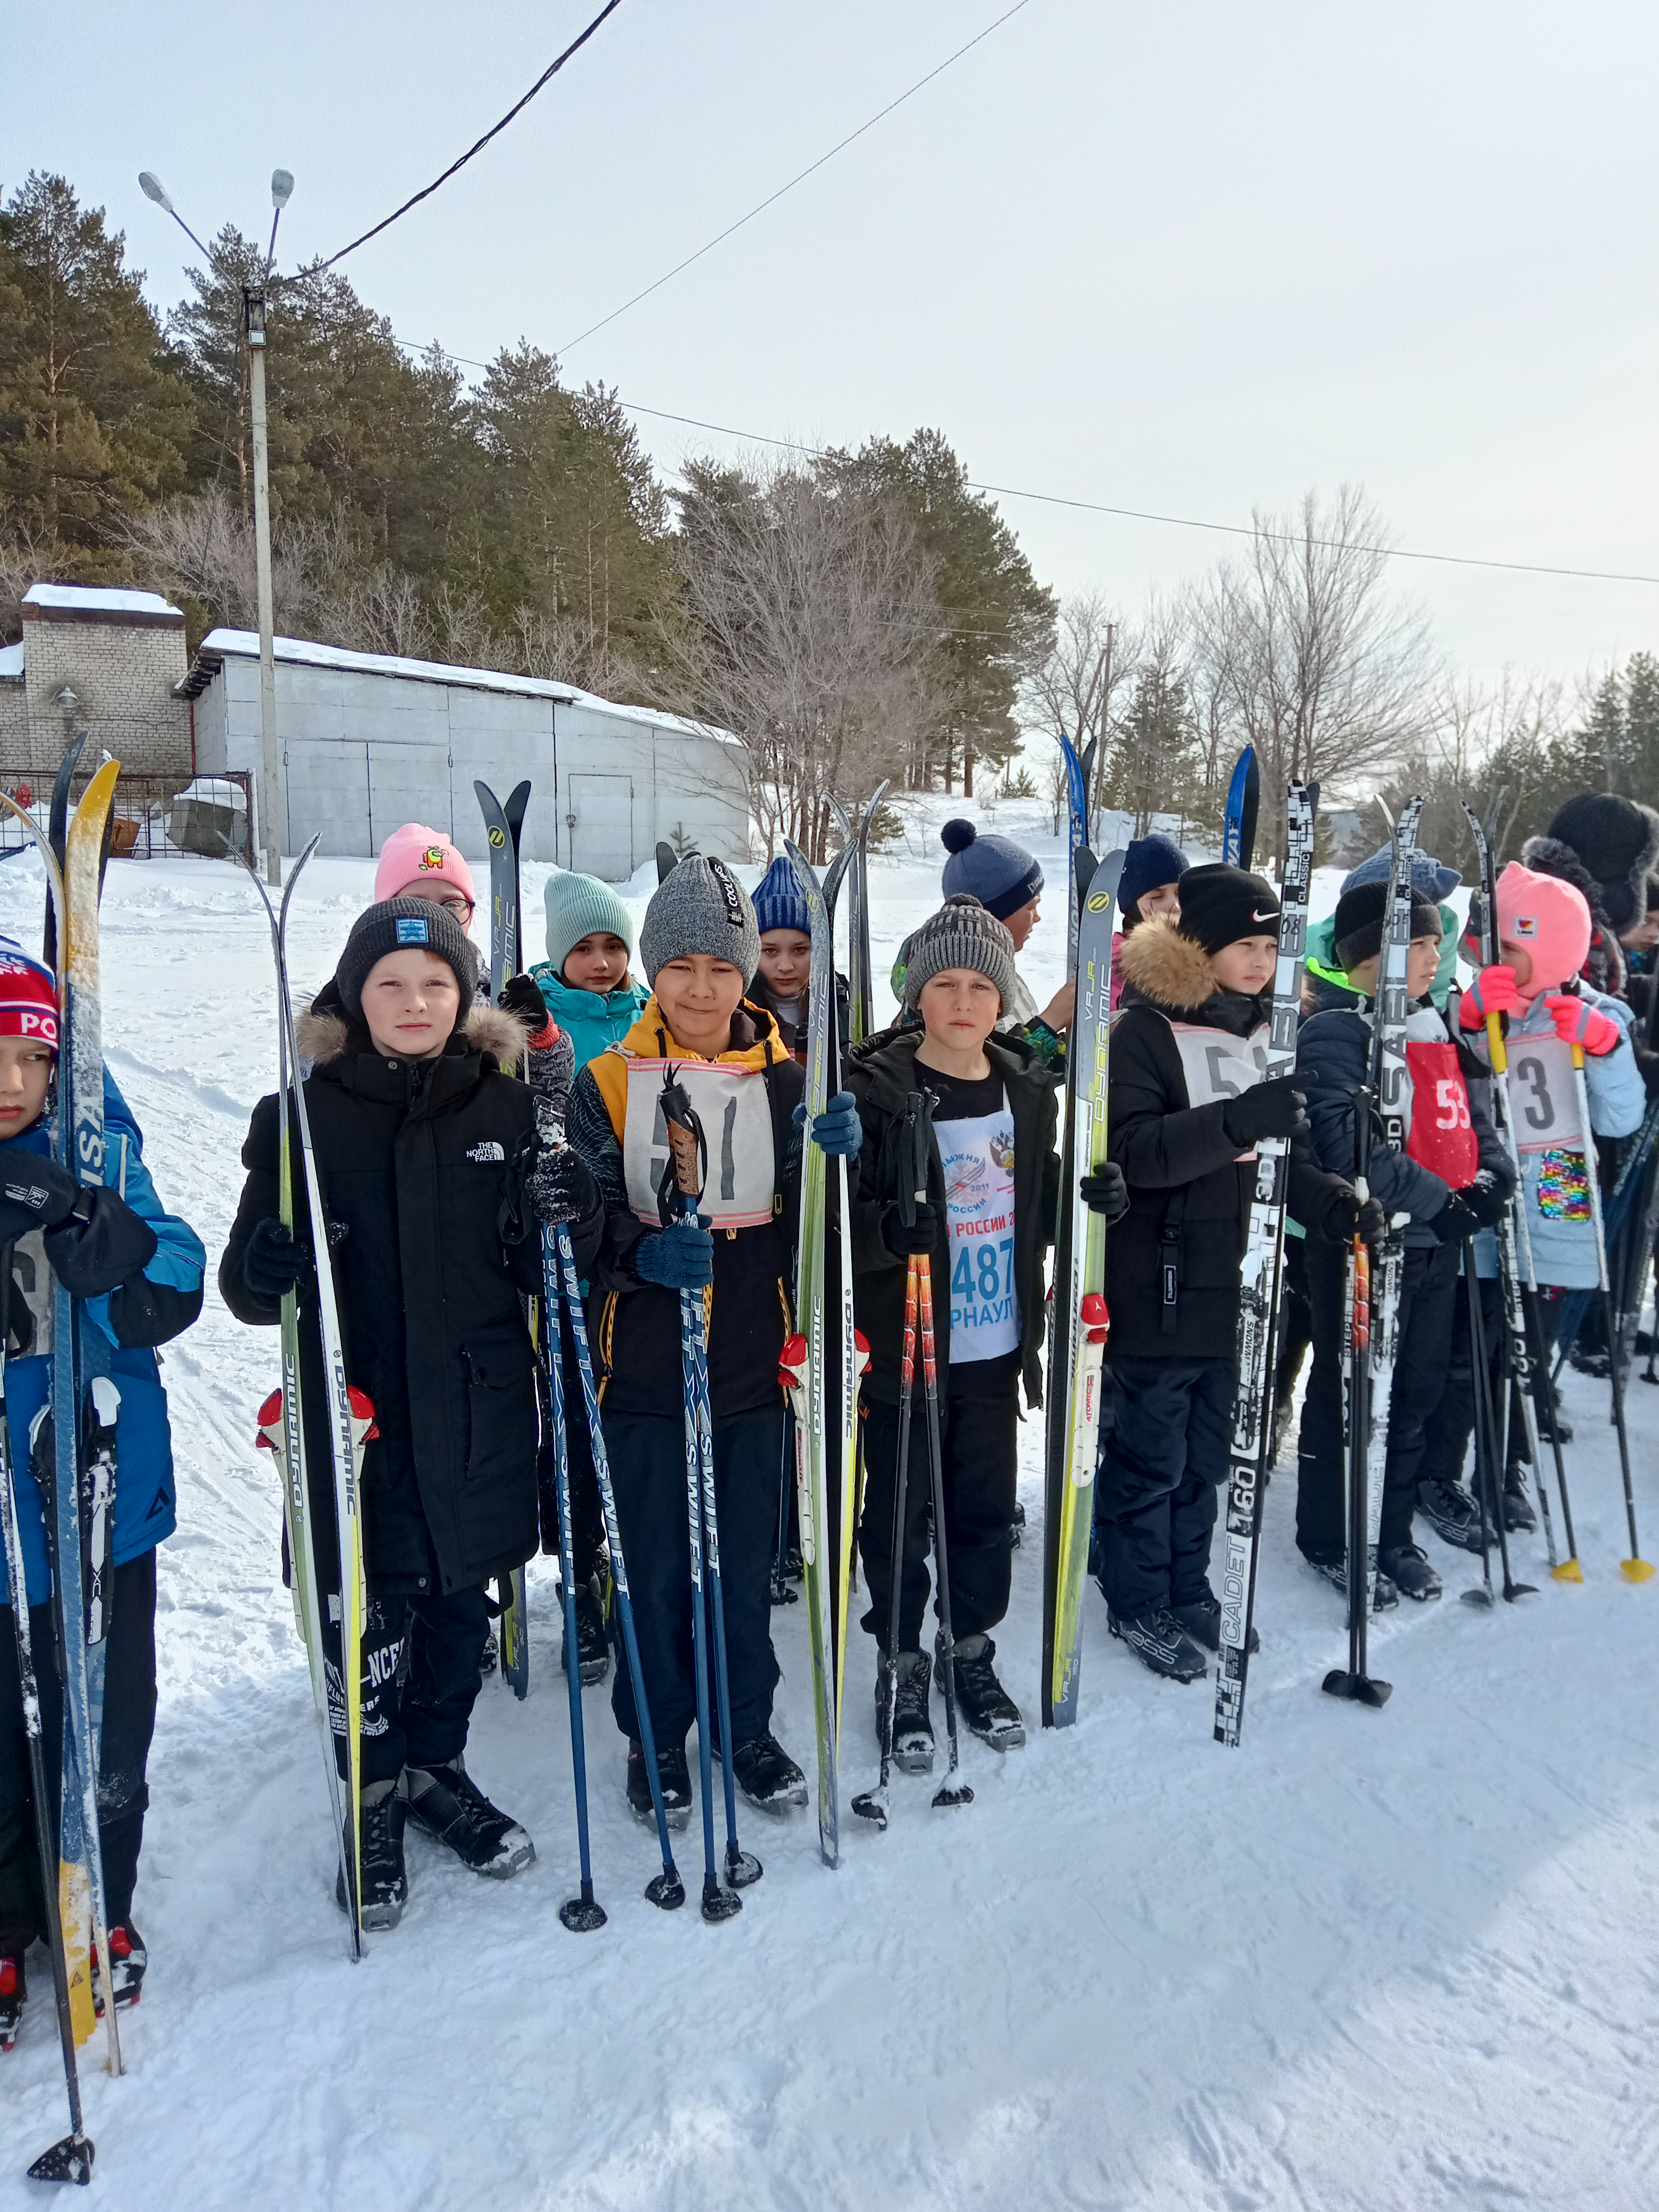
[1442, 1137]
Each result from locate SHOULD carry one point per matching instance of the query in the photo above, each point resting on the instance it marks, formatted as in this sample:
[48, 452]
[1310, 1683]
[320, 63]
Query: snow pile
[1372, 1960]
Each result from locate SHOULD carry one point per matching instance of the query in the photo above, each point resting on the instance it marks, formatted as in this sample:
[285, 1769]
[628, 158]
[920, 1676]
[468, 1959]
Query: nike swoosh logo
[1255, 916]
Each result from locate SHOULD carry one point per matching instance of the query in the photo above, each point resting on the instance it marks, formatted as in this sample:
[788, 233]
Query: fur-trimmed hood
[1617, 839]
[1171, 969]
[1553, 856]
[323, 1034]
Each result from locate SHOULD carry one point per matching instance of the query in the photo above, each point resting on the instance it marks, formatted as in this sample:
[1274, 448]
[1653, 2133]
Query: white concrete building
[369, 741]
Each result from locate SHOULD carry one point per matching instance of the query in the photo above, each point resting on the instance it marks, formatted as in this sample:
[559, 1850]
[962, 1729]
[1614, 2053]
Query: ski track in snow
[1377, 1961]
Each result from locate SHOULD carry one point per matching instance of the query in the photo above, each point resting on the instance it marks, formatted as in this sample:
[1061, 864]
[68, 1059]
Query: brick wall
[122, 669]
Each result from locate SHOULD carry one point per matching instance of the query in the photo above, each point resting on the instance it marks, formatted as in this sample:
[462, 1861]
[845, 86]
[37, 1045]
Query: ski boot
[14, 1996]
[127, 1961]
[448, 1804]
[1409, 1570]
[491, 1657]
[592, 1643]
[1519, 1519]
[912, 1722]
[1202, 1621]
[767, 1776]
[1161, 1643]
[1335, 1572]
[990, 1712]
[1451, 1512]
[1016, 1534]
[386, 1882]
[673, 1778]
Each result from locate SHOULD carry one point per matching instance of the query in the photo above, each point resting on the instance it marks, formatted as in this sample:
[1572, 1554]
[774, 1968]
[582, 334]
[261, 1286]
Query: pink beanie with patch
[1548, 919]
[415, 854]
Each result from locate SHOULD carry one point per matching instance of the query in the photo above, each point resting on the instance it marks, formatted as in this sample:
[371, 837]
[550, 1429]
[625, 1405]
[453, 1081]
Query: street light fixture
[253, 317]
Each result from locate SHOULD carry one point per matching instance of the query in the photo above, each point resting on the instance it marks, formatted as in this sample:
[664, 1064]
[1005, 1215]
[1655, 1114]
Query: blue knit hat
[1432, 878]
[1149, 862]
[777, 901]
[1001, 875]
[579, 907]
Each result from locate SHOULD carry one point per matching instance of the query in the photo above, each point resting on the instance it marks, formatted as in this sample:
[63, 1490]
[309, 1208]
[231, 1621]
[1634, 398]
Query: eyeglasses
[464, 907]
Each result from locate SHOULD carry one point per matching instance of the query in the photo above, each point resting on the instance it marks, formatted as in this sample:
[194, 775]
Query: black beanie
[1357, 925]
[402, 925]
[1220, 904]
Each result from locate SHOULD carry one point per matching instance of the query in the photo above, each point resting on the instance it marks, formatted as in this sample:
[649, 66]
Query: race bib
[736, 1114]
[1218, 1066]
[1440, 1135]
[978, 1157]
[1544, 1094]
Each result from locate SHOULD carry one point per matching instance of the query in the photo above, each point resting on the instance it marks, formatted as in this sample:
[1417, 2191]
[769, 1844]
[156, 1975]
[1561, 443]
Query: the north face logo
[487, 1152]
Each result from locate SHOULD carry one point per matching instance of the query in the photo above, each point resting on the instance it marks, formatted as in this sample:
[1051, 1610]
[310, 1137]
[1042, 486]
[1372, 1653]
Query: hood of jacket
[325, 1036]
[1176, 976]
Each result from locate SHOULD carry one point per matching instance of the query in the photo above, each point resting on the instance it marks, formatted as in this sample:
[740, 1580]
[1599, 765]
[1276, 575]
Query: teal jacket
[591, 1019]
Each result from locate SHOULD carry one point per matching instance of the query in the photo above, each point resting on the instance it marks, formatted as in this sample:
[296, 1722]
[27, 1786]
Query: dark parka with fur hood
[882, 1073]
[422, 1164]
[1189, 1189]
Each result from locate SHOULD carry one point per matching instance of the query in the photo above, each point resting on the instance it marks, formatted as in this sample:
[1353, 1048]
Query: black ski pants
[129, 1725]
[1160, 1473]
[979, 1416]
[1430, 1290]
[648, 1472]
[1295, 1321]
[420, 1678]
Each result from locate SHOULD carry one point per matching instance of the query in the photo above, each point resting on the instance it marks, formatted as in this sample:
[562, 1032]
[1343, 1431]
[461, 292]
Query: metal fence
[152, 815]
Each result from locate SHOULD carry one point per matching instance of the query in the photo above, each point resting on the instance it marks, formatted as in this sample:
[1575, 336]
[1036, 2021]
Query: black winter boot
[913, 1720]
[1518, 1515]
[592, 1643]
[1202, 1622]
[1451, 1512]
[128, 1960]
[673, 1778]
[14, 1996]
[1335, 1572]
[990, 1712]
[767, 1776]
[386, 1883]
[448, 1804]
[1161, 1643]
[1409, 1570]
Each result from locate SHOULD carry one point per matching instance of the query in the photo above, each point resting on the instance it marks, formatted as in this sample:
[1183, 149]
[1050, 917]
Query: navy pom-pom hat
[1001, 875]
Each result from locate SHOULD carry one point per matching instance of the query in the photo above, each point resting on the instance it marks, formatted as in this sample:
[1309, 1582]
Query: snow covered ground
[1386, 1960]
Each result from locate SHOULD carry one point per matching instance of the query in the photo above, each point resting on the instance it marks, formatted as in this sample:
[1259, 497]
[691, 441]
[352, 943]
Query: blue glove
[679, 1258]
[838, 1130]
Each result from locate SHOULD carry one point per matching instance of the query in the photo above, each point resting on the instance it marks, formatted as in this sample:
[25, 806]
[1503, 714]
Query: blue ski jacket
[145, 1502]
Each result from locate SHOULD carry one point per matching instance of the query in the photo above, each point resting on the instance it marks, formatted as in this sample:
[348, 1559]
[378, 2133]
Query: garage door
[327, 791]
[602, 826]
[406, 783]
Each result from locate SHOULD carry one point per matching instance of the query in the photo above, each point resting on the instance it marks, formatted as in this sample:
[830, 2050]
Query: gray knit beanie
[963, 933]
[700, 907]
[403, 925]
[579, 907]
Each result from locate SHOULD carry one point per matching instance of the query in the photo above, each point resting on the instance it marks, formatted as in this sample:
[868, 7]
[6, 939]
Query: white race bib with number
[978, 1157]
[1544, 1094]
[736, 1114]
[1218, 1065]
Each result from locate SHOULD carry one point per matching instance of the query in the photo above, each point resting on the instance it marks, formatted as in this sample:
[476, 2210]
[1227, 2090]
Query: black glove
[100, 1245]
[273, 1264]
[561, 1187]
[35, 1193]
[1266, 1109]
[1487, 1198]
[1106, 1193]
[521, 997]
[1345, 1213]
[1455, 1222]
[677, 1258]
[903, 1238]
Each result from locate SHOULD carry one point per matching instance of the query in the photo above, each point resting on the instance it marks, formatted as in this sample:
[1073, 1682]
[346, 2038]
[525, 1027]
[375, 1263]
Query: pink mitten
[1576, 1022]
[1494, 991]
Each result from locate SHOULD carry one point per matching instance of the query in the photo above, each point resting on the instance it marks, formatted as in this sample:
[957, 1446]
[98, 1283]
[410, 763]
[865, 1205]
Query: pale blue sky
[1190, 257]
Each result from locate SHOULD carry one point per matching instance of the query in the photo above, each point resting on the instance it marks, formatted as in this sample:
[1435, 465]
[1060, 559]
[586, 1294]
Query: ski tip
[1569, 1571]
[1635, 1570]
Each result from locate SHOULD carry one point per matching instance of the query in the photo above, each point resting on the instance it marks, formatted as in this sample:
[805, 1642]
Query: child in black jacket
[433, 1184]
[1453, 1178]
[992, 1185]
[1186, 1107]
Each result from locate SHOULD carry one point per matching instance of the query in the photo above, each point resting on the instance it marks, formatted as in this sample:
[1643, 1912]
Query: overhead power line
[800, 177]
[495, 131]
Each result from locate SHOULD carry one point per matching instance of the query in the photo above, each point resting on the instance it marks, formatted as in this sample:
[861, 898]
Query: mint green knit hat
[579, 907]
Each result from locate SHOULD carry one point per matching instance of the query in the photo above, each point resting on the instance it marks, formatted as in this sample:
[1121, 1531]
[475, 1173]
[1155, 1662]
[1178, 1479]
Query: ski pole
[1635, 1569]
[665, 1889]
[1546, 1404]
[71, 2158]
[781, 1592]
[872, 1804]
[949, 1791]
[683, 1175]
[584, 1912]
[1486, 1411]
[1484, 1595]
[1354, 1683]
